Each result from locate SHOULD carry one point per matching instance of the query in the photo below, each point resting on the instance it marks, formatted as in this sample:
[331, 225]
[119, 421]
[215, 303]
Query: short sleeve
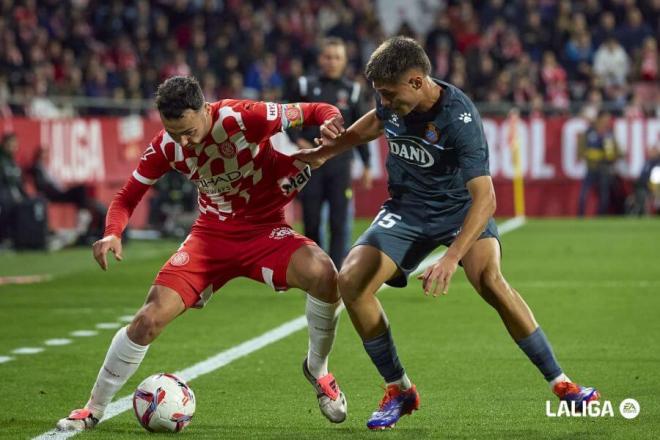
[471, 146]
[153, 163]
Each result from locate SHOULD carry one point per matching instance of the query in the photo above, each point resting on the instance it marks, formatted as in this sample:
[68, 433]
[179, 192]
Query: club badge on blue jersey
[431, 133]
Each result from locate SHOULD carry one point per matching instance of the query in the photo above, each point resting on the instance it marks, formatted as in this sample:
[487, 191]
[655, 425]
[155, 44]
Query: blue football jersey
[433, 154]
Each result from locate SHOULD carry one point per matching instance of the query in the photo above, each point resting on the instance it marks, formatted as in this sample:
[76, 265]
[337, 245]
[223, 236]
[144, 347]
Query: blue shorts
[401, 234]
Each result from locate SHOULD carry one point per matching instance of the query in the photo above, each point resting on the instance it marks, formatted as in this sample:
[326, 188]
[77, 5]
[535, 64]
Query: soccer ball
[164, 403]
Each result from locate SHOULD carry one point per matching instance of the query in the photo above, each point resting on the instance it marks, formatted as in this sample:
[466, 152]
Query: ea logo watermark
[629, 408]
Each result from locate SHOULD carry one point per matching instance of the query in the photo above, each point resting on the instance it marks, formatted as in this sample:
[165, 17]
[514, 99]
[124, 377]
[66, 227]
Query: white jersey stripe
[140, 178]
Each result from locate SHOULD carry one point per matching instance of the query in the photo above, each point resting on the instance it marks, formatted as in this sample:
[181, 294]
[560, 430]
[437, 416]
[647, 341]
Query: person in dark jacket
[332, 182]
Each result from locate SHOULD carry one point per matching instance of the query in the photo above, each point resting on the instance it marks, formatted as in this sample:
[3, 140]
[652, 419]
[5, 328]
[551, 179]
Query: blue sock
[538, 350]
[382, 352]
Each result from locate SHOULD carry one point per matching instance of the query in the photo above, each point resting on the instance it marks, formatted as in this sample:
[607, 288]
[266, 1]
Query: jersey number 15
[386, 219]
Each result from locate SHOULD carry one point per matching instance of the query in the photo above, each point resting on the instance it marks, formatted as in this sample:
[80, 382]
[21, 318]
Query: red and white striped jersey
[237, 172]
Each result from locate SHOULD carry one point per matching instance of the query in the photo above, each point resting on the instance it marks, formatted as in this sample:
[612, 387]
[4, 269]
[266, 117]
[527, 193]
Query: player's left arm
[436, 278]
[264, 119]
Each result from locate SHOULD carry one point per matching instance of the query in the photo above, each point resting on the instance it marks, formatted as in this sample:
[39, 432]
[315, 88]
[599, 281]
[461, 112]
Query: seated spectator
[647, 61]
[646, 196]
[554, 81]
[263, 75]
[633, 33]
[611, 64]
[172, 207]
[91, 213]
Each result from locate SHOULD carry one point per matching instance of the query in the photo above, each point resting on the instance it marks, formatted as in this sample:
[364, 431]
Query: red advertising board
[104, 151]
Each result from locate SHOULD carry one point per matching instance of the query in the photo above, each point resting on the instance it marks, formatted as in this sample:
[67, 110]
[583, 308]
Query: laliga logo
[629, 409]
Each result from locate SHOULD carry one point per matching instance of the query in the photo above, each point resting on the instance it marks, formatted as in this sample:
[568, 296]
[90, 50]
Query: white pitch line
[4, 359]
[84, 333]
[126, 318]
[58, 341]
[226, 357]
[28, 350]
[108, 325]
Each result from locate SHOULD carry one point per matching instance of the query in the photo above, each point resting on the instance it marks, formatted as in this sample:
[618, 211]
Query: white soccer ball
[164, 403]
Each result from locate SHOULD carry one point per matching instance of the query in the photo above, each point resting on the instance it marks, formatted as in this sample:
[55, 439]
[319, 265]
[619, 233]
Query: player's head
[398, 70]
[603, 121]
[185, 114]
[332, 57]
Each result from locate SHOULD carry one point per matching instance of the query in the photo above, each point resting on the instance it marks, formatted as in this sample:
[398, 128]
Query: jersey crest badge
[431, 133]
[293, 115]
[181, 258]
[280, 233]
[227, 150]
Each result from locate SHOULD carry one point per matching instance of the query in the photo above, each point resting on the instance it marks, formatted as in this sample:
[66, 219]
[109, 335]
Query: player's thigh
[282, 258]
[482, 263]
[312, 270]
[162, 305]
[364, 270]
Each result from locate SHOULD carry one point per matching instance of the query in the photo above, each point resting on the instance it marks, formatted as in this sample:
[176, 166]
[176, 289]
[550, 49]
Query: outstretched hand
[436, 277]
[101, 247]
[330, 131]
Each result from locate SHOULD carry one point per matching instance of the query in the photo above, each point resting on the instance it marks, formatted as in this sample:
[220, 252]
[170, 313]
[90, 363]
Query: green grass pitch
[594, 286]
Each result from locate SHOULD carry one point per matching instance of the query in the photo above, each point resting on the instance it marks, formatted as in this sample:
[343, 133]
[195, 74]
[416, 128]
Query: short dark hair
[178, 94]
[332, 41]
[394, 57]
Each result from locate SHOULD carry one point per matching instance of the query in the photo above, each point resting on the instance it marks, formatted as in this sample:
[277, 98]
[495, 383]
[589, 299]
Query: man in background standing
[332, 182]
[599, 148]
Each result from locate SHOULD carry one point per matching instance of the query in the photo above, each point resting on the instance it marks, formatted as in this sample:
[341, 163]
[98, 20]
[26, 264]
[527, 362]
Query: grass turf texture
[592, 284]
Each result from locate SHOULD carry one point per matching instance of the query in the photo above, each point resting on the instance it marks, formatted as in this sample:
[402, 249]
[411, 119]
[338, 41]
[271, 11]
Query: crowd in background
[536, 53]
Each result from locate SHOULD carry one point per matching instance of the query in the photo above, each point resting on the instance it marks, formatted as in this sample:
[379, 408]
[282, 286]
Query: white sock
[122, 360]
[404, 383]
[561, 378]
[322, 327]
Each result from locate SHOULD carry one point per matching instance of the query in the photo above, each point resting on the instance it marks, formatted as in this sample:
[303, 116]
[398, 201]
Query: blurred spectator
[646, 64]
[12, 192]
[554, 81]
[119, 50]
[91, 213]
[599, 149]
[633, 33]
[605, 29]
[262, 75]
[592, 106]
[611, 63]
[646, 195]
[440, 37]
[172, 207]
[535, 37]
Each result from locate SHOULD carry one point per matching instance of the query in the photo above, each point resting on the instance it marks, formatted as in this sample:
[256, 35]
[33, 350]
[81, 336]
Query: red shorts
[210, 257]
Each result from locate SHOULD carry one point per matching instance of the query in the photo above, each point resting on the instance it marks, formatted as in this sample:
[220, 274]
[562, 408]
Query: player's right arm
[334, 139]
[152, 166]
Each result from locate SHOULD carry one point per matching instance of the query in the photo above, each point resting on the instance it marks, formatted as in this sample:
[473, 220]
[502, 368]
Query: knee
[350, 284]
[146, 325]
[495, 289]
[323, 279]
